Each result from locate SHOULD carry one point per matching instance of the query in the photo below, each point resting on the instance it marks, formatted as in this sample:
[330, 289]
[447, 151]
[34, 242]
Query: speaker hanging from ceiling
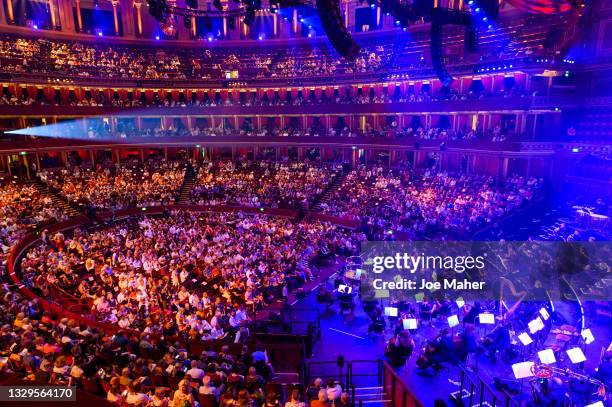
[471, 38]
[440, 18]
[338, 35]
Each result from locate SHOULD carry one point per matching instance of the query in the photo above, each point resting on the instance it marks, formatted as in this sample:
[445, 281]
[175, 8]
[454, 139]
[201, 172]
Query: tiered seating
[88, 59]
[133, 185]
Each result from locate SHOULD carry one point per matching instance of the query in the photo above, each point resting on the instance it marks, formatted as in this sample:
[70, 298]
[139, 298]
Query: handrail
[397, 389]
[480, 393]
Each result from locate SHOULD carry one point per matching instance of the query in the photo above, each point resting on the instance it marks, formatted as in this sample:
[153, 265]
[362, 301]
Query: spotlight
[100, 33]
[157, 37]
[35, 27]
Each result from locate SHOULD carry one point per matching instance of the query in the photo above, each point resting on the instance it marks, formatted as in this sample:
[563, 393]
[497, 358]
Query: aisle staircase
[189, 181]
[69, 208]
[327, 193]
[372, 397]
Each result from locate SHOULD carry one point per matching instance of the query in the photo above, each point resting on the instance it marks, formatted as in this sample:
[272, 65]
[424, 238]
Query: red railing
[397, 390]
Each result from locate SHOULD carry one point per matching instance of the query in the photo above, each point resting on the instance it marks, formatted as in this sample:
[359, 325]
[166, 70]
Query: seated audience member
[134, 396]
[294, 399]
[343, 401]
[334, 390]
[183, 395]
[208, 387]
[195, 372]
[313, 390]
[321, 401]
[160, 399]
[114, 392]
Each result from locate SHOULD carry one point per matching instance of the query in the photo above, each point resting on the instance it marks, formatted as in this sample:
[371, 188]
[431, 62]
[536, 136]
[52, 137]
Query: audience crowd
[22, 207]
[416, 203]
[128, 367]
[261, 183]
[84, 59]
[112, 187]
[185, 274]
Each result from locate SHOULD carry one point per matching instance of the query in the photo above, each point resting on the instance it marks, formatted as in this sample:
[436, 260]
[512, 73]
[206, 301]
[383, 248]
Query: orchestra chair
[378, 329]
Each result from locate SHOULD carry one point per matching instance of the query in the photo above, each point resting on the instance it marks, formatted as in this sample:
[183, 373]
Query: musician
[472, 313]
[378, 321]
[548, 392]
[497, 340]
[399, 349]
[324, 296]
[465, 343]
[604, 370]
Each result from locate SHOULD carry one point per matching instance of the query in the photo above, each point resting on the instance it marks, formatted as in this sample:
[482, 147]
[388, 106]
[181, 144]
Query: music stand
[522, 371]
[453, 321]
[391, 312]
[536, 325]
[544, 313]
[410, 323]
[486, 318]
[460, 303]
[525, 339]
[576, 355]
[588, 337]
[596, 404]
[547, 356]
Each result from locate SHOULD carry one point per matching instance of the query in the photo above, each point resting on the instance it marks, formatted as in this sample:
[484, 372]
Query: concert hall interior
[300, 203]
